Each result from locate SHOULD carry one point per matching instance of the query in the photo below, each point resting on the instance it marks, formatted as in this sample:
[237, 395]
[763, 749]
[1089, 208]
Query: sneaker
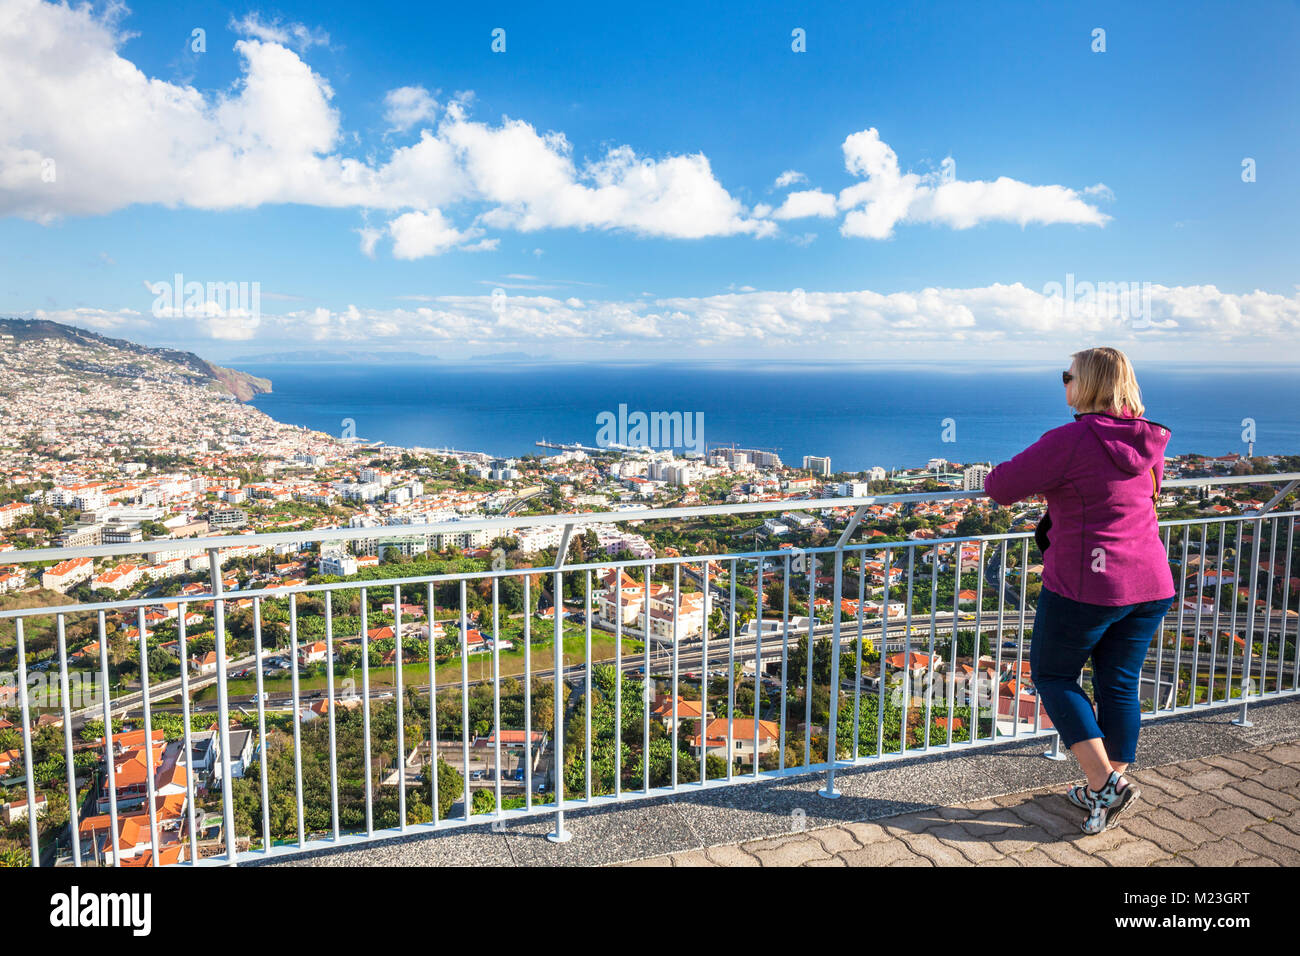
[1106, 805]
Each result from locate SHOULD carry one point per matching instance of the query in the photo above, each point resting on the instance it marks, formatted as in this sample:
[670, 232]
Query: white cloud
[531, 183]
[887, 196]
[964, 204]
[408, 105]
[937, 322]
[369, 238]
[419, 234]
[296, 35]
[810, 202]
[789, 178]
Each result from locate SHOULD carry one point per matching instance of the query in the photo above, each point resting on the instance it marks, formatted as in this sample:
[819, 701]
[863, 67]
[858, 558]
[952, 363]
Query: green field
[511, 663]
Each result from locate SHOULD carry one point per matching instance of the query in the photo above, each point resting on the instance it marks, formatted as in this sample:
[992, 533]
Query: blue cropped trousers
[1066, 633]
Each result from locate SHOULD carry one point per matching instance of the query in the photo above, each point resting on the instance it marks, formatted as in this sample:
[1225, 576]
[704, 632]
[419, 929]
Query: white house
[16, 810]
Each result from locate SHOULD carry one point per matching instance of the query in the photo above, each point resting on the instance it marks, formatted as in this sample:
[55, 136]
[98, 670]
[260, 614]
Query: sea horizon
[861, 413]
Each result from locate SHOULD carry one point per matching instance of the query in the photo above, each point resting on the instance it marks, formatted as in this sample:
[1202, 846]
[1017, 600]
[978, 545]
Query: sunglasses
[1066, 378]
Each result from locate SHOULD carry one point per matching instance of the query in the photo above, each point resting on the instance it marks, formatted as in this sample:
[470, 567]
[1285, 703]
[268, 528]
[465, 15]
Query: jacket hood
[1134, 444]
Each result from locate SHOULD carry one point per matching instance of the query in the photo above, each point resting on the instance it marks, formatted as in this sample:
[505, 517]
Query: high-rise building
[972, 478]
[817, 465]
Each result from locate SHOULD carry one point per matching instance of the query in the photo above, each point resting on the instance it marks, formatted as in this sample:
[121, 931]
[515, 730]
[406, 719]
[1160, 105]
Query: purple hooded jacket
[1095, 473]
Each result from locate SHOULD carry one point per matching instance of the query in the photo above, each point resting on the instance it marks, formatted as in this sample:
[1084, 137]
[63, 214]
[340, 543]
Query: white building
[65, 574]
[797, 519]
[441, 541]
[817, 465]
[121, 578]
[337, 563]
[972, 478]
[631, 607]
[359, 490]
[541, 538]
[679, 474]
[11, 513]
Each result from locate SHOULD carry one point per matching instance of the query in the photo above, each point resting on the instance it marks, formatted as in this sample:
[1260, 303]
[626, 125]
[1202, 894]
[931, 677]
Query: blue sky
[1122, 166]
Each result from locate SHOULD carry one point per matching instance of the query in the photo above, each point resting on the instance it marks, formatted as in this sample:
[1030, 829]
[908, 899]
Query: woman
[1106, 578]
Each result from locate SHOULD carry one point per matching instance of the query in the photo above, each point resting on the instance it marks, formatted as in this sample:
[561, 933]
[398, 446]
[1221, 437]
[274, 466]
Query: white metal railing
[174, 833]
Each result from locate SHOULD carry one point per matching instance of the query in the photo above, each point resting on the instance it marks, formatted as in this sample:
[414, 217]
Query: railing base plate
[829, 794]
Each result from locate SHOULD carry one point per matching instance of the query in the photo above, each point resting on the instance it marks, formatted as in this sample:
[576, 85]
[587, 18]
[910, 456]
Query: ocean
[889, 414]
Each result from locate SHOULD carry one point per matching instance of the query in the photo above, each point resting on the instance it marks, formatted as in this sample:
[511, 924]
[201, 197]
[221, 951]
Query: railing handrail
[197, 545]
[449, 577]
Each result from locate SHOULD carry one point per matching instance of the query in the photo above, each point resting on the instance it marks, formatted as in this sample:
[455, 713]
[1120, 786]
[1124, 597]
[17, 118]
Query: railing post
[559, 834]
[832, 728]
[74, 831]
[832, 736]
[223, 704]
[108, 736]
[1241, 720]
[1055, 752]
[25, 710]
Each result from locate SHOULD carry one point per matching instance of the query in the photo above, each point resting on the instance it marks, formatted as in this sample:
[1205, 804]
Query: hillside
[119, 358]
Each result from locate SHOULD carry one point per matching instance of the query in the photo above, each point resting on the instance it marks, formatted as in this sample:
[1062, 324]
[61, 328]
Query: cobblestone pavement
[1236, 809]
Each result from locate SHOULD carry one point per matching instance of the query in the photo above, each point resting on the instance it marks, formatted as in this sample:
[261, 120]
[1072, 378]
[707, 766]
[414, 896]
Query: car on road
[476, 774]
[541, 787]
[519, 773]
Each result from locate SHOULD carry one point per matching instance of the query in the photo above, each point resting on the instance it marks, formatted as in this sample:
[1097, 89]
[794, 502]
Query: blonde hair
[1106, 381]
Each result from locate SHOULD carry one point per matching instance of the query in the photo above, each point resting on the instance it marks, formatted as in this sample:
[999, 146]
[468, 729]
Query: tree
[966, 640]
[451, 787]
[511, 591]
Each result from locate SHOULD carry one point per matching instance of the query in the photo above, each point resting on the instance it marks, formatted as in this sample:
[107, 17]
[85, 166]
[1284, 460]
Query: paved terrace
[1212, 794]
